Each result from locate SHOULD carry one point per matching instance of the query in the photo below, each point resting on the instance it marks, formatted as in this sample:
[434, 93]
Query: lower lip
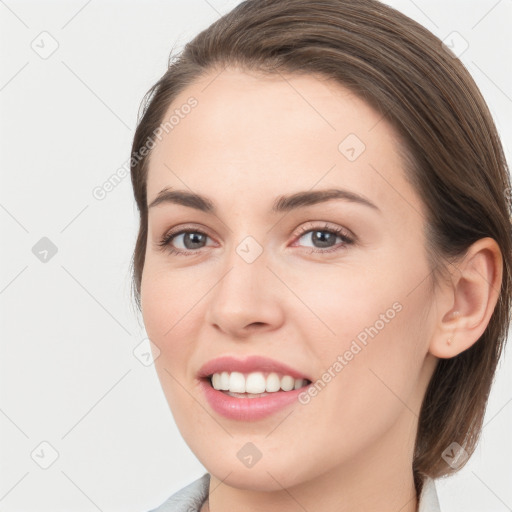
[248, 409]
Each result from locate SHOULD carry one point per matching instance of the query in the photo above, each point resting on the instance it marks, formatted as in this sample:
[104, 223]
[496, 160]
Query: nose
[248, 297]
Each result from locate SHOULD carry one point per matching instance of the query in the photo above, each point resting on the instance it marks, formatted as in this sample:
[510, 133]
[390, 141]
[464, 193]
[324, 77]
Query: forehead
[274, 134]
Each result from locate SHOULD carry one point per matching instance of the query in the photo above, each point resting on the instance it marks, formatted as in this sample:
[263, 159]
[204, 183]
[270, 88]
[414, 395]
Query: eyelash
[165, 241]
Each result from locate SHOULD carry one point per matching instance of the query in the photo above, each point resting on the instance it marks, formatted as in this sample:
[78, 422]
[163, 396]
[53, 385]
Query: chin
[268, 476]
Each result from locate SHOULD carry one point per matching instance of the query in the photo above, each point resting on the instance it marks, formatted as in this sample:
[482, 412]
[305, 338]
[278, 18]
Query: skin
[249, 140]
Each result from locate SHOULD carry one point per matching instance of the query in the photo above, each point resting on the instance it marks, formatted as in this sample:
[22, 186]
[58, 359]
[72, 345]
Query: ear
[465, 304]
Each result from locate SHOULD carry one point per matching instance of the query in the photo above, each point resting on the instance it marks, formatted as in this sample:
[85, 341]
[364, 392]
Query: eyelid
[187, 227]
[303, 228]
[328, 226]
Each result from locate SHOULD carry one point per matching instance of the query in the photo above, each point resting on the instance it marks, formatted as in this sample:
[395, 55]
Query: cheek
[373, 321]
[168, 314]
[338, 305]
[165, 295]
[155, 305]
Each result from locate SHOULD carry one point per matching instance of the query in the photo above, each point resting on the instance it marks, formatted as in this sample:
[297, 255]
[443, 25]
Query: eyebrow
[281, 203]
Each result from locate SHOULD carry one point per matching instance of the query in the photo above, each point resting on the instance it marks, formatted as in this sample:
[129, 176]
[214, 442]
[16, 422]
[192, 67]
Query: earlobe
[470, 299]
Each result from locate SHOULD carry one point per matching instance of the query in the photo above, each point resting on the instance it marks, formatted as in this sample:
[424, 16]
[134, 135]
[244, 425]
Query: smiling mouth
[254, 384]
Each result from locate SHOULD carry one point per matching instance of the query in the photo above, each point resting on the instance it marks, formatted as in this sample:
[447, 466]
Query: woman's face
[337, 290]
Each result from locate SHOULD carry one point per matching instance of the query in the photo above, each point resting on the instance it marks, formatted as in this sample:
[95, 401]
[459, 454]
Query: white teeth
[254, 382]
[237, 382]
[224, 381]
[287, 383]
[273, 382]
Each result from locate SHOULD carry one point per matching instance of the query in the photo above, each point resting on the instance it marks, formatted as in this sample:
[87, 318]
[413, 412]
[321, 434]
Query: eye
[324, 238]
[190, 240]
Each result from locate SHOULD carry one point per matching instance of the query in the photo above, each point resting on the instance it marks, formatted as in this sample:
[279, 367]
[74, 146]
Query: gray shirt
[192, 497]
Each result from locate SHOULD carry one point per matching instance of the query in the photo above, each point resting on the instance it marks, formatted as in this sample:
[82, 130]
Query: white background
[68, 374]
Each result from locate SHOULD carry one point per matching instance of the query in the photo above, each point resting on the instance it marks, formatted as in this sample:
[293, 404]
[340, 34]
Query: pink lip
[247, 365]
[247, 409]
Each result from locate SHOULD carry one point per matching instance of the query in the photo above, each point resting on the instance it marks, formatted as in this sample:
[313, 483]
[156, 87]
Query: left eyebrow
[281, 203]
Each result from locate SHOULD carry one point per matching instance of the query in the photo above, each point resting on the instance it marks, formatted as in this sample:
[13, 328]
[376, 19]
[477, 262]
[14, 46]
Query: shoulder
[428, 501]
[188, 499]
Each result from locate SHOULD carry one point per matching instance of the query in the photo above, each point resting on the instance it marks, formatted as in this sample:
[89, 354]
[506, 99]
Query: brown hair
[449, 142]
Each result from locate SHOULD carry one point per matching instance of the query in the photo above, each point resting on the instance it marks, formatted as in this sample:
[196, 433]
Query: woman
[323, 258]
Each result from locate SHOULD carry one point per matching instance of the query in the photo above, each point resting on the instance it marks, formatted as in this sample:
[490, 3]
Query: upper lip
[249, 364]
